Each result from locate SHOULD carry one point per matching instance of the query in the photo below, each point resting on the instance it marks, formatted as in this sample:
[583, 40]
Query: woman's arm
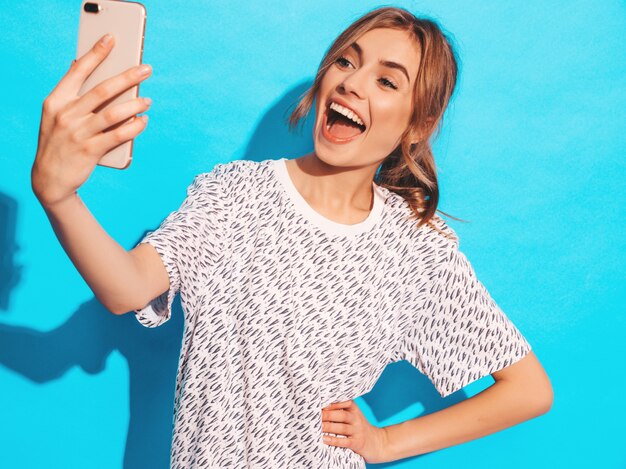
[522, 391]
[72, 140]
[121, 280]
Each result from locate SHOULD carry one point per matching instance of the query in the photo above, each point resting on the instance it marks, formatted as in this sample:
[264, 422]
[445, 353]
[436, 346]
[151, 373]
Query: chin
[333, 155]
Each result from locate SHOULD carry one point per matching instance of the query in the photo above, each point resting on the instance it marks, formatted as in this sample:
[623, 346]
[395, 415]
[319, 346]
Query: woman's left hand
[345, 418]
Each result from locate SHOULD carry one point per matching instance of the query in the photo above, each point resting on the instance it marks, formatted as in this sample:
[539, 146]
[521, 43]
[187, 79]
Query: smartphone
[126, 22]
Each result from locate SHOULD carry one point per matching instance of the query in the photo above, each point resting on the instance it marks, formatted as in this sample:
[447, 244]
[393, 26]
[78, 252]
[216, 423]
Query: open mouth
[340, 126]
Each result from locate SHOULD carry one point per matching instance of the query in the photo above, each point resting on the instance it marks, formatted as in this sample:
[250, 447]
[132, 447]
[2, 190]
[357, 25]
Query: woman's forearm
[500, 406]
[109, 270]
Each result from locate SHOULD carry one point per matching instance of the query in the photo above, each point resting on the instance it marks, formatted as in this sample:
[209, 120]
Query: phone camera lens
[92, 7]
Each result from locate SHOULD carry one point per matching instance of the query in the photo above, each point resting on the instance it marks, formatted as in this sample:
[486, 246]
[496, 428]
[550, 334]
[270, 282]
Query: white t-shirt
[287, 311]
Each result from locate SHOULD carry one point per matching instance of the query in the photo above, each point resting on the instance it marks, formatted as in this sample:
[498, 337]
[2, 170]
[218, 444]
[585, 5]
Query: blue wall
[532, 153]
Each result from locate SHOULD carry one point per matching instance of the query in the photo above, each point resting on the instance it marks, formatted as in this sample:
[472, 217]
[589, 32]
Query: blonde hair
[409, 170]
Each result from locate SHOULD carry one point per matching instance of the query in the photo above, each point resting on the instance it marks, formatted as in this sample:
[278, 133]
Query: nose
[352, 83]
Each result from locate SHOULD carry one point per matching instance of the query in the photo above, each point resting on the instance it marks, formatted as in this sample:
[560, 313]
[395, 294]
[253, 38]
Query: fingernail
[106, 39]
[148, 101]
[144, 69]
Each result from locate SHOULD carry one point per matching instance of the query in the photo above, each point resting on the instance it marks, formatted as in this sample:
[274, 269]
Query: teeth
[346, 112]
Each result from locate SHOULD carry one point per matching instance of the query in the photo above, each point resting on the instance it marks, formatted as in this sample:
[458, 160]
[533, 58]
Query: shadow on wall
[86, 339]
[92, 332]
[10, 273]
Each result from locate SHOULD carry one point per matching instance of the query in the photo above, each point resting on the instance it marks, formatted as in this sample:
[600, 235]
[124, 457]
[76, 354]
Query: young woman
[301, 279]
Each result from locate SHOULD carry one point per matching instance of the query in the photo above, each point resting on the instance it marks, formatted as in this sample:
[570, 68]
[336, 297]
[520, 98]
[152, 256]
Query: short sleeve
[196, 225]
[458, 333]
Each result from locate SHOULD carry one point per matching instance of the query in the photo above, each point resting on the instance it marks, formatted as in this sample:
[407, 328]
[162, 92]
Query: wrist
[56, 206]
[396, 438]
[387, 450]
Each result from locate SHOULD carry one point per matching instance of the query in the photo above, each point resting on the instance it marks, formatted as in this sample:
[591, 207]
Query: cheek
[391, 118]
[330, 80]
[389, 123]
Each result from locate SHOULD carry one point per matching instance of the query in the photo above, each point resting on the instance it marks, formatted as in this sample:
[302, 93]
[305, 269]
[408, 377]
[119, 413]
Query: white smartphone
[126, 22]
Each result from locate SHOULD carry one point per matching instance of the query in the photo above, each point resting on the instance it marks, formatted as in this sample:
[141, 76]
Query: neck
[341, 193]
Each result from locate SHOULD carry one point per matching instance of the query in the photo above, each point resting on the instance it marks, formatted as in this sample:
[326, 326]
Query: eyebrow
[386, 63]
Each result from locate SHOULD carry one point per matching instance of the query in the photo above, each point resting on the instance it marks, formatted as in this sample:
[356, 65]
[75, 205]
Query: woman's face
[379, 94]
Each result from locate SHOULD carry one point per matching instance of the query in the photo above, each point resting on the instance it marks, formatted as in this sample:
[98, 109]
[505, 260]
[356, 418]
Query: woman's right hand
[71, 137]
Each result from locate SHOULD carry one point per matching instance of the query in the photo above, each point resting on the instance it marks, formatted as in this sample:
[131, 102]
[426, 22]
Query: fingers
[81, 68]
[108, 89]
[340, 423]
[337, 415]
[108, 117]
[344, 442]
[105, 141]
[337, 419]
[337, 428]
[339, 405]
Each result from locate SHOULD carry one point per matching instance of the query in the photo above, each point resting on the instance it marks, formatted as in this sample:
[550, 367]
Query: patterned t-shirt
[287, 311]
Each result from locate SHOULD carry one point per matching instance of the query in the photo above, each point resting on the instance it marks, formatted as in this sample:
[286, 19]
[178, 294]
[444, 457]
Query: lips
[345, 104]
[324, 130]
[331, 138]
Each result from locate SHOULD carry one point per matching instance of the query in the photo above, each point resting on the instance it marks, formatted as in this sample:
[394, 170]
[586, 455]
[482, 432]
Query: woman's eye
[343, 62]
[388, 83]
